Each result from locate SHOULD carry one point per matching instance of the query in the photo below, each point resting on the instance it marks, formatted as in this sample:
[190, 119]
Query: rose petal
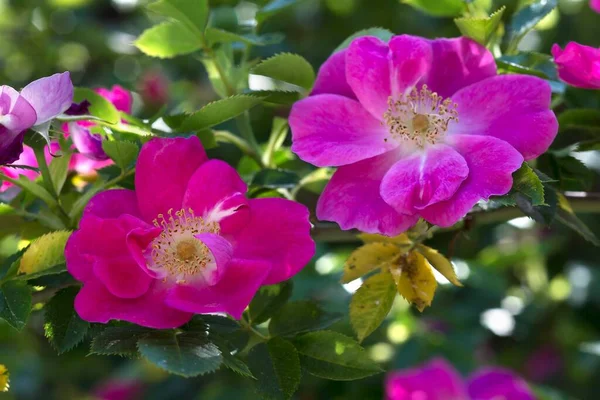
[221, 251]
[49, 96]
[498, 383]
[112, 204]
[120, 97]
[122, 276]
[578, 65]
[331, 78]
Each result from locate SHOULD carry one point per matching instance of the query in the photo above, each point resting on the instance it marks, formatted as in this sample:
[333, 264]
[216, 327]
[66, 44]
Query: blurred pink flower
[119, 390]
[418, 128]
[578, 65]
[154, 88]
[26, 158]
[595, 5]
[438, 380]
[186, 241]
[544, 363]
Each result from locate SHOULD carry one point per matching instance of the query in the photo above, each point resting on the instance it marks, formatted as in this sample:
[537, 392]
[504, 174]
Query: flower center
[422, 117]
[176, 252]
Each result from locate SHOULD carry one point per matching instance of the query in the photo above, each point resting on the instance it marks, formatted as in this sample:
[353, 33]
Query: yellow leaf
[414, 279]
[439, 262]
[400, 240]
[368, 258]
[3, 378]
[371, 303]
[45, 252]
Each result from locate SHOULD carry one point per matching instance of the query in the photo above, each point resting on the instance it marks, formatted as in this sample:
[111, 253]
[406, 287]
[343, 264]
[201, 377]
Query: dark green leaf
[572, 173]
[276, 366]
[287, 67]
[480, 29]
[36, 189]
[183, 353]
[531, 63]
[207, 137]
[277, 96]
[100, 107]
[10, 266]
[276, 178]
[588, 145]
[122, 153]
[438, 8]
[587, 120]
[219, 111]
[268, 300]
[192, 13]
[300, 316]
[566, 216]
[331, 355]
[381, 33]
[273, 8]
[118, 340]
[57, 269]
[371, 303]
[168, 40]
[63, 326]
[229, 359]
[216, 35]
[525, 19]
[15, 303]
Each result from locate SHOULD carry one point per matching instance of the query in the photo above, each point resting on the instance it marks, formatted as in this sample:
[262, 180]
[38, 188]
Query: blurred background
[531, 300]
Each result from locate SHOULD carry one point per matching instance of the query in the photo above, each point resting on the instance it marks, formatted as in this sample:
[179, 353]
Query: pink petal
[436, 380]
[423, 179]
[459, 62]
[87, 143]
[578, 65]
[498, 383]
[49, 96]
[120, 97]
[232, 294]
[18, 113]
[410, 60]
[595, 5]
[96, 304]
[278, 232]
[122, 276]
[491, 163]
[331, 130]
[221, 250]
[352, 198]
[331, 78]
[137, 242]
[112, 204]
[514, 108]
[163, 170]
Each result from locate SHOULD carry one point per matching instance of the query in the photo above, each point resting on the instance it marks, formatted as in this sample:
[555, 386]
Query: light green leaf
[438, 8]
[527, 182]
[218, 111]
[380, 33]
[287, 67]
[15, 303]
[480, 29]
[440, 263]
[371, 303]
[368, 258]
[59, 169]
[35, 189]
[525, 20]
[331, 355]
[100, 107]
[63, 327]
[276, 366]
[168, 40]
[182, 353]
[268, 300]
[118, 340]
[216, 35]
[193, 13]
[122, 153]
[300, 316]
[45, 252]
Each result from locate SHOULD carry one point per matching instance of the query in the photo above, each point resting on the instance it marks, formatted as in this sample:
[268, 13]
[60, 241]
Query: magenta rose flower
[35, 107]
[595, 5]
[418, 128]
[438, 380]
[187, 241]
[578, 65]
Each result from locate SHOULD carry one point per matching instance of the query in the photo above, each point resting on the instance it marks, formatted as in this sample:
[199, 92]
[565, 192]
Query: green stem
[244, 146]
[49, 185]
[247, 326]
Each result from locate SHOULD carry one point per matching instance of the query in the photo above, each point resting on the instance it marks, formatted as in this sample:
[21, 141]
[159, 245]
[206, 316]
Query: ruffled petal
[232, 294]
[18, 113]
[423, 179]
[163, 170]
[112, 204]
[94, 303]
[498, 383]
[332, 130]
[278, 232]
[331, 78]
[122, 277]
[49, 96]
[221, 251]
[352, 198]
[514, 108]
[578, 65]
[491, 163]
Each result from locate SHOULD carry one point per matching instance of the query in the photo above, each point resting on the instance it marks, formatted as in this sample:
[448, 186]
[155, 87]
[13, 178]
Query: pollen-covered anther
[176, 252]
[421, 117]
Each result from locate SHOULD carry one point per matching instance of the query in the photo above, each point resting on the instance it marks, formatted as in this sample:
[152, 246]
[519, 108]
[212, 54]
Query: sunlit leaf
[100, 107]
[438, 8]
[414, 279]
[368, 258]
[194, 14]
[168, 40]
[400, 240]
[122, 153]
[4, 378]
[218, 111]
[216, 35]
[440, 263]
[371, 303]
[287, 67]
[44, 253]
[480, 29]
[380, 33]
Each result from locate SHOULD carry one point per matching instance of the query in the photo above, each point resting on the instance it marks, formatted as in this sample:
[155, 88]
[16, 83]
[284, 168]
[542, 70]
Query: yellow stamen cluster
[421, 117]
[176, 252]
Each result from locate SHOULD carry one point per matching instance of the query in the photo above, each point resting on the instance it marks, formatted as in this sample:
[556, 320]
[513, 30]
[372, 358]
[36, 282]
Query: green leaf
[268, 300]
[168, 40]
[100, 107]
[55, 270]
[15, 303]
[584, 119]
[10, 266]
[566, 216]
[192, 13]
[45, 252]
[283, 97]
[371, 303]
[525, 20]
[183, 353]
[229, 360]
[216, 35]
[62, 326]
[59, 169]
[380, 33]
[300, 316]
[438, 8]
[588, 145]
[273, 8]
[276, 178]
[440, 263]
[122, 153]
[35, 189]
[525, 183]
[368, 258]
[118, 340]
[218, 111]
[331, 355]
[529, 63]
[287, 67]
[571, 173]
[207, 137]
[276, 366]
[480, 29]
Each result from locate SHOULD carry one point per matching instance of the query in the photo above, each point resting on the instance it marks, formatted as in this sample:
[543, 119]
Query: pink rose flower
[438, 380]
[418, 128]
[116, 389]
[578, 65]
[187, 241]
[595, 5]
[154, 88]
